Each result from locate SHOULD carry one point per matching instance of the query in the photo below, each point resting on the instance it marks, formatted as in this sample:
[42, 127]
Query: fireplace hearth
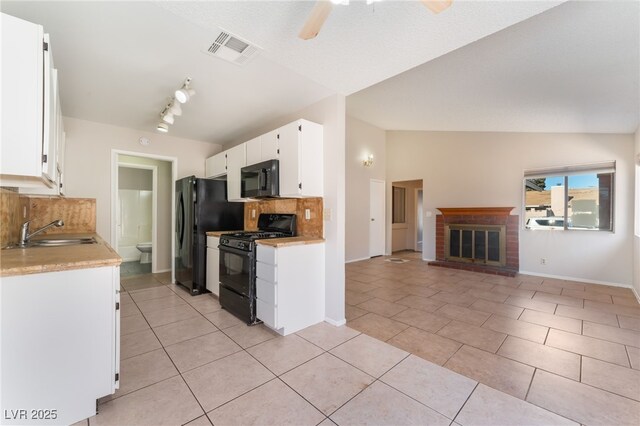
[478, 239]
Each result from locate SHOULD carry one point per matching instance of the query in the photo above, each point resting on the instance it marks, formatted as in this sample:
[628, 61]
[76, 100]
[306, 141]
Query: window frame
[606, 167]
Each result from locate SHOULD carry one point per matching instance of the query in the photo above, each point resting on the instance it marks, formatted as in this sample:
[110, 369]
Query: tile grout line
[466, 400]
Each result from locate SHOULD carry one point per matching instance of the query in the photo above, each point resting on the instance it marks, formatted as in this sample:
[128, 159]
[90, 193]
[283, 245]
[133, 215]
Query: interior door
[419, 220]
[376, 217]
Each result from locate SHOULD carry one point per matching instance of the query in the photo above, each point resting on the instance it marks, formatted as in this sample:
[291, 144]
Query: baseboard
[428, 260]
[584, 280]
[160, 271]
[635, 293]
[336, 323]
[130, 259]
[357, 260]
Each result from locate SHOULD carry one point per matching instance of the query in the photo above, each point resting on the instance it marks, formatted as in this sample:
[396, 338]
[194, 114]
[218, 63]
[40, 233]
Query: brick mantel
[475, 211]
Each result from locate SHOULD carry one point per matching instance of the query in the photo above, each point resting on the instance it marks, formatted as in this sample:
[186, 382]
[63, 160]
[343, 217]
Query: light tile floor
[467, 356]
[569, 347]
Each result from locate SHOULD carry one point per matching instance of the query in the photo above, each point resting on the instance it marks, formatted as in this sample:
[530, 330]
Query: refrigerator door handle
[180, 218]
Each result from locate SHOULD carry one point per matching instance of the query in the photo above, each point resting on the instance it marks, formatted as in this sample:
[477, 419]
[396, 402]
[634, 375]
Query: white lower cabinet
[59, 343]
[290, 286]
[213, 265]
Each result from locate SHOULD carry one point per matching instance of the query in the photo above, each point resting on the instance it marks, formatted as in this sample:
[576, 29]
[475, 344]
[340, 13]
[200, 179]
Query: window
[398, 200]
[572, 197]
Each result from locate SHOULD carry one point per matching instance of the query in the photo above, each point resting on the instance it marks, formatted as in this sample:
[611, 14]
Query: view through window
[572, 197]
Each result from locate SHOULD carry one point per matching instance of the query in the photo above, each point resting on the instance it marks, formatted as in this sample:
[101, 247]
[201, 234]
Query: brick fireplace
[479, 239]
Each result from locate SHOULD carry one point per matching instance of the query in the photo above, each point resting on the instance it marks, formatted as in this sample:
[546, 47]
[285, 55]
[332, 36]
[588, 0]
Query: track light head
[162, 127]
[167, 118]
[175, 108]
[185, 93]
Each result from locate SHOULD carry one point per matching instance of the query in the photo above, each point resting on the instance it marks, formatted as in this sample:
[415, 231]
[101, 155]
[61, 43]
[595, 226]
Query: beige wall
[362, 139]
[471, 169]
[137, 179]
[330, 112]
[165, 209]
[88, 152]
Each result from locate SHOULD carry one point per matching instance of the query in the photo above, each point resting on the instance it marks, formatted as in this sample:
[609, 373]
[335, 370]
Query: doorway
[376, 217]
[136, 220]
[406, 219]
[419, 220]
[130, 224]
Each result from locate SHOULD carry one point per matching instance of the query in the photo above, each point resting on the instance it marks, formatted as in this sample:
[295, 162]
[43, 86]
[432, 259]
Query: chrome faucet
[25, 236]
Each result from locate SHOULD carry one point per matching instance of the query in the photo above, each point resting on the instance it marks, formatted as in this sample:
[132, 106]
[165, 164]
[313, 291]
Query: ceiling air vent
[232, 48]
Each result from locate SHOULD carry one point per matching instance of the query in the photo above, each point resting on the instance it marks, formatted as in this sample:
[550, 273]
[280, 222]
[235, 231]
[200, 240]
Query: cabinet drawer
[266, 255]
[266, 272]
[266, 291]
[212, 242]
[267, 313]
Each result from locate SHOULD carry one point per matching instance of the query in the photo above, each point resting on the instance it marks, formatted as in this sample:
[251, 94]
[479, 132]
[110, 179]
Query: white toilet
[145, 250]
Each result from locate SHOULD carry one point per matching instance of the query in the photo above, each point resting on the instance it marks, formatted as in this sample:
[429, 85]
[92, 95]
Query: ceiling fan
[322, 8]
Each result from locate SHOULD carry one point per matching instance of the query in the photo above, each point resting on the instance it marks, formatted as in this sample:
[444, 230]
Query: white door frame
[154, 209]
[383, 219]
[114, 192]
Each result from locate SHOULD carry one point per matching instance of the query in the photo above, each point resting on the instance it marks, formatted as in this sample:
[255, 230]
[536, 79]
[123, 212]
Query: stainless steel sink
[54, 242]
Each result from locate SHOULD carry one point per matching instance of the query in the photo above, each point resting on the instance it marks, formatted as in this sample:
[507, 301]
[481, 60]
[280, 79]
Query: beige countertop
[34, 260]
[290, 241]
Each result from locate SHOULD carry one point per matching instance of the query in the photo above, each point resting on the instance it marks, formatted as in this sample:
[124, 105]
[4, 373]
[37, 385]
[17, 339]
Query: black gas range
[238, 263]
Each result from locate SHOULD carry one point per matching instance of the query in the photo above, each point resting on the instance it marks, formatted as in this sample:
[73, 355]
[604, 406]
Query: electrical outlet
[307, 214]
[543, 261]
[327, 214]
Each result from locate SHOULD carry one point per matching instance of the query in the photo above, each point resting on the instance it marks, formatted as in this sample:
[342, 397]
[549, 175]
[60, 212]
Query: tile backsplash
[11, 216]
[312, 227]
[78, 214]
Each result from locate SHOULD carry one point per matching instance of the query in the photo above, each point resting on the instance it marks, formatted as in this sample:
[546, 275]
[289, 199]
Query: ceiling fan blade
[437, 6]
[316, 19]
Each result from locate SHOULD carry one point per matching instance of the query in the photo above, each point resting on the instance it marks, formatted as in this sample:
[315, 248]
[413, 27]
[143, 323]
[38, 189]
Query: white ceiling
[120, 61]
[574, 68]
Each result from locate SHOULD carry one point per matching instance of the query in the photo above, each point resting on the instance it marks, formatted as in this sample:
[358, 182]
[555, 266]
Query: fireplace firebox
[482, 244]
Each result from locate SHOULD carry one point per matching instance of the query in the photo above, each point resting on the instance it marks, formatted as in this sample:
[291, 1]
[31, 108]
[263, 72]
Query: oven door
[237, 270]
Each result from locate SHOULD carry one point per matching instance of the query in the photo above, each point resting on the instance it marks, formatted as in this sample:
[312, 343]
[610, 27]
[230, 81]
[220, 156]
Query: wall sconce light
[368, 162]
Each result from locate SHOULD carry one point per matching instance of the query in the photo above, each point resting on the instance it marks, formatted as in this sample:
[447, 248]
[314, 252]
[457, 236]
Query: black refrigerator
[201, 206]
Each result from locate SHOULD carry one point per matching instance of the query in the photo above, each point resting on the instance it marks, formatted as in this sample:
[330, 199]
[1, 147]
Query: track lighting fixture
[173, 108]
[185, 93]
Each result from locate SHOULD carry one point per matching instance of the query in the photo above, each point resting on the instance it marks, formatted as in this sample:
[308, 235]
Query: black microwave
[260, 180]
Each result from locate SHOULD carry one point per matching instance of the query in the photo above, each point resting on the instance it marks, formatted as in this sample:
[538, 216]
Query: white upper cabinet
[301, 159]
[262, 148]
[299, 148]
[236, 160]
[269, 146]
[216, 165]
[254, 151]
[29, 107]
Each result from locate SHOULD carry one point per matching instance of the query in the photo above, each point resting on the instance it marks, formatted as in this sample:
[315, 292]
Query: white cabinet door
[254, 151]
[22, 100]
[269, 145]
[301, 159]
[213, 266]
[289, 160]
[49, 148]
[60, 339]
[236, 160]
[216, 165]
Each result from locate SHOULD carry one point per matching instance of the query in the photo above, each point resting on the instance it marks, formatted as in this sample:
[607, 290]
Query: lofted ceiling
[574, 68]
[119, 63]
